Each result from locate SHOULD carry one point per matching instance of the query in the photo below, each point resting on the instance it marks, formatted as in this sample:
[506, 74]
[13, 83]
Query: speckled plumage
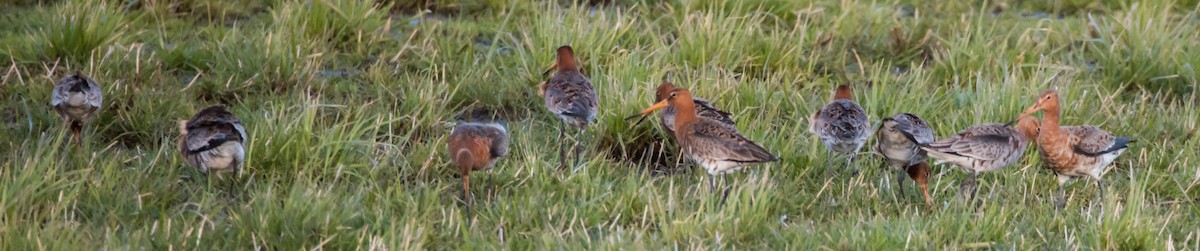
[841, 125]
[897, 141]
[213, 140]
[981, 148]
[718, 148]
[77, 99]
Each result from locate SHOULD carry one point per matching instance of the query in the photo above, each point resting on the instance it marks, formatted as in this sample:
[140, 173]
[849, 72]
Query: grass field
[348, 105]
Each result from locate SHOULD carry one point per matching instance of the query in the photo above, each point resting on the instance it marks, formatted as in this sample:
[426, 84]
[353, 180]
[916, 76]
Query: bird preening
[78, 100]
[213, 140]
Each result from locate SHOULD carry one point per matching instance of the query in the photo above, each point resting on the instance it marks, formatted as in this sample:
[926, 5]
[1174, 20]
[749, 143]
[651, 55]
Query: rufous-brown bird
[1072, 151]
[476, 146]
[718, 148]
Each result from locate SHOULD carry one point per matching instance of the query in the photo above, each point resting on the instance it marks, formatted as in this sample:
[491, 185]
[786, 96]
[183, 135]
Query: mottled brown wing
[842, 120]
[983, 142]
[914, 128]
[569, 93]
[212, 127]
[707, 110]
[710, 138]
[1093, 141]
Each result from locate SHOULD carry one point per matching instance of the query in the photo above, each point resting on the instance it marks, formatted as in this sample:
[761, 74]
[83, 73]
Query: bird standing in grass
[1072, 151]
[842, 126]
[703, 109]
[718, 148]
[897, 140]
[570, 96]
[77, 98]
[213, 141]
[476, 147]
[982, 148]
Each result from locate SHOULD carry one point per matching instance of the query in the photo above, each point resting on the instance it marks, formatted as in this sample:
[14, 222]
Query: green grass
[348, 104]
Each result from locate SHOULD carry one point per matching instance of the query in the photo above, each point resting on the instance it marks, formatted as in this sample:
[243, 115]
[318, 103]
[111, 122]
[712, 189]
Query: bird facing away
[1072, 151]
[718, 148]
[213, 140]
[703, 109]
[982, 148]
[842, 126]
[475, 147]
[77, 99]
[897, 140]
[570, 96]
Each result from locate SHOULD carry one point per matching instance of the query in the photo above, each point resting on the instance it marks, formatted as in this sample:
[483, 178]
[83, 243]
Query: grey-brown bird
[569, 96]
[476, 147]
[213, 141]
[842, 126]
[982, 148]
[898, 140]
[718, 148]
[78, 99]
[1072, 151]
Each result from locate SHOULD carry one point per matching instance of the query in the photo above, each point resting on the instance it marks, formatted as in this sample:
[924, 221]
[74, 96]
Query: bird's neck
[685, 114]
[566, 62]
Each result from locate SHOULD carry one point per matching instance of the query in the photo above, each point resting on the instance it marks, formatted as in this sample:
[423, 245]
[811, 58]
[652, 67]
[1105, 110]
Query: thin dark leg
[712, 183]
[562, 151]
[1101, 186]
[900, 174]
[728, 186]
[966, 190]
[850, 163]
[577, 148]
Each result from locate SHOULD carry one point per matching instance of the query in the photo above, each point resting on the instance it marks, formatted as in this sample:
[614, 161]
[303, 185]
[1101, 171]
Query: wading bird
[982, 148]
[718, 148]
[77, 98]
[703, 108]
[476, 147]
[570, 96]
[842, 126]
[898, 140]
[213, 141]
[1072, 151]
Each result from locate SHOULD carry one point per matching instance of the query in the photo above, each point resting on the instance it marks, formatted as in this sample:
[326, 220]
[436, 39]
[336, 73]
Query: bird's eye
[673, 94]
[1047, 97]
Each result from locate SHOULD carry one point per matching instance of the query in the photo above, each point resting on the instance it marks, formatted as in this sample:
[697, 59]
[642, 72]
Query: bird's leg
[900, 174]
[466, 193]
[829, 158]
[712, 183]
[966, 190]
[1100, 185]
[728, 186]
[562, 151]
[851, 165]
[1060, 200]
[578, 147]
